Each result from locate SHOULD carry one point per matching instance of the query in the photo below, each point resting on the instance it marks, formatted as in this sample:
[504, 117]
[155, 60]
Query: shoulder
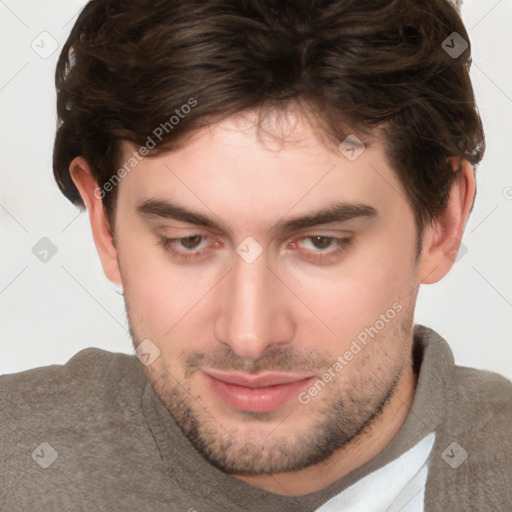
[482, 392]
[473, 450]
[481, 407]
[473, 406]
[85, 367]
[75, 434]
[471, 412]
[466, 391]
[59, 394]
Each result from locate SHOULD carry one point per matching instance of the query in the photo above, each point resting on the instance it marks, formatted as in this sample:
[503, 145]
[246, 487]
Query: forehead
[243, 170]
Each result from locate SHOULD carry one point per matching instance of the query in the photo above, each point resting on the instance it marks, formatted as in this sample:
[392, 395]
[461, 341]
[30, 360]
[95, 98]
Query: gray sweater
[91, 435]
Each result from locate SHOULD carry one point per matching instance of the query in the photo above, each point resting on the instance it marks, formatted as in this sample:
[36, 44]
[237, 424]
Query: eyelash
[341, 243]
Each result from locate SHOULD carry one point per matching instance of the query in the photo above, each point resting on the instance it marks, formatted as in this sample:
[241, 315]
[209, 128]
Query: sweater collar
[434, 363]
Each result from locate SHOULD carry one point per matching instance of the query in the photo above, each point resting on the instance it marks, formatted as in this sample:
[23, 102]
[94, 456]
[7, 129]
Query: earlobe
[442, 239]
[103, 237]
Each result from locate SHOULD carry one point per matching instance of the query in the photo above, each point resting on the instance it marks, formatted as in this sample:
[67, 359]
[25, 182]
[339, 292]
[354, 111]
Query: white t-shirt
[399, 486]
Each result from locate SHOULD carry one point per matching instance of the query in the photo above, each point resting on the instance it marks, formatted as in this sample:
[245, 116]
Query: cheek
[160, 295]
[352, 296]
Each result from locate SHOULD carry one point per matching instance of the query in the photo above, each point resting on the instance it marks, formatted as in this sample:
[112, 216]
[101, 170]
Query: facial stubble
[350, 406]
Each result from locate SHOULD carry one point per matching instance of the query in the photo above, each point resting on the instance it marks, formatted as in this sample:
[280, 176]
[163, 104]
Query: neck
[359, 451]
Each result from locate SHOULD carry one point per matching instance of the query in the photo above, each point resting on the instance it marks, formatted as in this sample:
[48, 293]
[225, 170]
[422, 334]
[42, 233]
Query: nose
[254, 309]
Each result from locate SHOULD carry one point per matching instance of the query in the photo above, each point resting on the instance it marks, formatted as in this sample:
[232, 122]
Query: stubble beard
[348, 411]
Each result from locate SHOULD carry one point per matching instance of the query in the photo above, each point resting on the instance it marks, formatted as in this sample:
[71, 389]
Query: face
[275, 286]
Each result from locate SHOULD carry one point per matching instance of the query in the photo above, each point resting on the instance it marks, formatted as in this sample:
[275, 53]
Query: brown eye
[191, 242]
[188, 247]
[321, 242]
[322, 249]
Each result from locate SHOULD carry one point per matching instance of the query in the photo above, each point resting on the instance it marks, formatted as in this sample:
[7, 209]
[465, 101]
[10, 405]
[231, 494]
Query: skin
[297, 307]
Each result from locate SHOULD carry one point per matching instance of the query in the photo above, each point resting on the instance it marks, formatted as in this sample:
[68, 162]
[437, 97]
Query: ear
[103, 238]
[441, 240]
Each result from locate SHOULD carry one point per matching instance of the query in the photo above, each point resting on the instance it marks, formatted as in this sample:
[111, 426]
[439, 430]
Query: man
[270, 183]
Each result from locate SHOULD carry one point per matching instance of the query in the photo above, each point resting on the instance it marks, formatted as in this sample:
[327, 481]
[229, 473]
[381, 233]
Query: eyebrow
[338, 212]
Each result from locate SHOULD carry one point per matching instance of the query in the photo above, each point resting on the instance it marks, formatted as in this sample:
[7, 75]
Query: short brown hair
[358, 65]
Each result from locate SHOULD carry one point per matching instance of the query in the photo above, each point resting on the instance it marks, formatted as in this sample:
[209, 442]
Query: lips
[255, 393]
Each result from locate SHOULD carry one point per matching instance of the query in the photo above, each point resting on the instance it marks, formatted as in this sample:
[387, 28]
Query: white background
[49, 311]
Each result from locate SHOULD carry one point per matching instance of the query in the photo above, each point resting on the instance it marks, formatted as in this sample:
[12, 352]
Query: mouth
[264, 392]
